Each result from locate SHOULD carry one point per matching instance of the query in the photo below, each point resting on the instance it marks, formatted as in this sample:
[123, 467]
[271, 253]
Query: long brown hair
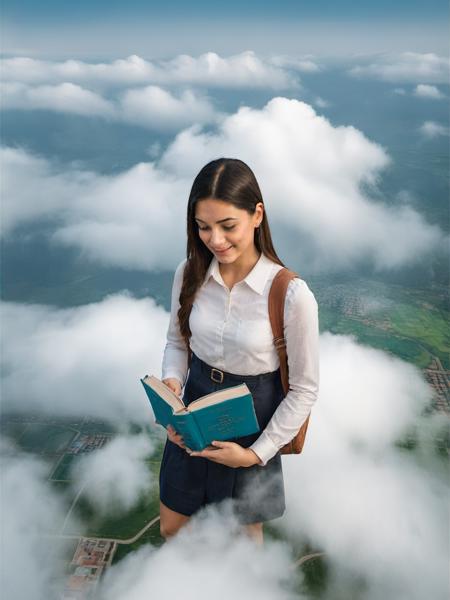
[229, 180]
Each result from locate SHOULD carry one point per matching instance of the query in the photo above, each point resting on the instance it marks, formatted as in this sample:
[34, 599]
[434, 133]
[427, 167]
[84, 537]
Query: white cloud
[119, 220]
[316, 180]
[431, 129]
[157, 108]
[127, 71]
[33, 188]
[115, 477]
[358, 384]
[32, 84]
[154, 150]
[83, 360]
[321, 103]
[311, 174]
[376, 510]
[428, 91]
[65, 97]
[306, 64]
[244, 70]
[406, 67]
[210, 557]
[30, 510]
[149, 106]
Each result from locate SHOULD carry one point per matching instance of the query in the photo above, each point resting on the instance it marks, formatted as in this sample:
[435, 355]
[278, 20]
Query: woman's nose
[217, 238]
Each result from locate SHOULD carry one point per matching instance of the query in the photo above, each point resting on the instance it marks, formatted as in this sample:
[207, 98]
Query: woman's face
[222, 226]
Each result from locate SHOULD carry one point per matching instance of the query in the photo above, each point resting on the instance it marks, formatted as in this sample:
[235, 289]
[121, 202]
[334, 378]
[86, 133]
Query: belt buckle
[218, 371]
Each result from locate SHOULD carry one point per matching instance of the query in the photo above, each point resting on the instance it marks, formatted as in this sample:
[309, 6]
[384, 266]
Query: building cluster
[87, 442]
[439, 379]
[91, 557]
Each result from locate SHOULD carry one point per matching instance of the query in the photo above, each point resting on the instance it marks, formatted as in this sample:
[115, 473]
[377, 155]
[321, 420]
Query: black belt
[219, 376]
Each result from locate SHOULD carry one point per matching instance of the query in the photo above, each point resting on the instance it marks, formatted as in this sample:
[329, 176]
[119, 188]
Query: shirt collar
[256, 279]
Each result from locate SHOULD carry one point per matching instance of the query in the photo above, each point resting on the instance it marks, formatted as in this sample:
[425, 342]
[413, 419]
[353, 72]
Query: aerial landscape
[100, 142]
[93, 544]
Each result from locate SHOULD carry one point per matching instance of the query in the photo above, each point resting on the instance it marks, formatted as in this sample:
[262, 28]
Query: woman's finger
[175, 437]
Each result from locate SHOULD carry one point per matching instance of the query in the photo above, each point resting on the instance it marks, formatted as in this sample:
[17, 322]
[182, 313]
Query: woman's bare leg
[170, 521]
[255, 531]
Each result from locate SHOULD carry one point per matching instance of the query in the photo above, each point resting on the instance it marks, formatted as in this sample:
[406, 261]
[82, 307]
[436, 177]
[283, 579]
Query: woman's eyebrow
[221, 220]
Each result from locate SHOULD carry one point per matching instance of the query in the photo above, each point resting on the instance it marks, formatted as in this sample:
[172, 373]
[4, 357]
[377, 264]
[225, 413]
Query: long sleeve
[175, 357]
[301, 331]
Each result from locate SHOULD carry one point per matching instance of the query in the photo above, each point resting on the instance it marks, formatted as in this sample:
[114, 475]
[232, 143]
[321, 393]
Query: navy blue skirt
[189, 482]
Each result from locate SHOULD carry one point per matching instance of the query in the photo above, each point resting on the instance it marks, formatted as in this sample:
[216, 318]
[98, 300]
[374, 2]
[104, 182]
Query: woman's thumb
[219, 444]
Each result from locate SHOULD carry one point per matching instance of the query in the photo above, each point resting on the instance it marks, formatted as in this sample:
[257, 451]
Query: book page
[166, 393]
[219, 396]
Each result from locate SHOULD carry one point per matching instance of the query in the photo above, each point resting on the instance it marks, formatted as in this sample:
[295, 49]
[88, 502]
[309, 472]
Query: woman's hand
[229, 454]
[177, 438]
[173, 384]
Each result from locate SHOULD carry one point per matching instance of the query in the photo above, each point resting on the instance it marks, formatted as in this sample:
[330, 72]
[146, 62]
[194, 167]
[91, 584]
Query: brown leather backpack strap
[277, 297]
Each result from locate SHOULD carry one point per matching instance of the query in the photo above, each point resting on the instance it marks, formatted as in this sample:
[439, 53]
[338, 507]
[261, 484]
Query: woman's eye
[227, 228]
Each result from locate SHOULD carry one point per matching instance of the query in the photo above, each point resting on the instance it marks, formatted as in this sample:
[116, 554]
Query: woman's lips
[223, 251]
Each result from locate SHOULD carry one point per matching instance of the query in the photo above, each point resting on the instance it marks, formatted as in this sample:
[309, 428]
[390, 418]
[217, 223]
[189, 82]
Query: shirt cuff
[264, 448]
[174, 373]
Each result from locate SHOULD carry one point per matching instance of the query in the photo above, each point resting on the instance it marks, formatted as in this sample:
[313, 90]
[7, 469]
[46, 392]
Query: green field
[411, 324]
[121, 525]
[429, 329]
[42, 438]
[62, 471]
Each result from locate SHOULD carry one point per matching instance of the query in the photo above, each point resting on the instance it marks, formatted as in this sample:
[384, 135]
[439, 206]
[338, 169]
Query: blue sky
[28, 11]
[112, 29]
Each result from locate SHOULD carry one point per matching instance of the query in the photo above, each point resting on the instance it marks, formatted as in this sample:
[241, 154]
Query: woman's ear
[260, 211]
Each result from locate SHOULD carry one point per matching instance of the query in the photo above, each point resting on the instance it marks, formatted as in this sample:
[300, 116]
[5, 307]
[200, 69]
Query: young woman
[220, 309]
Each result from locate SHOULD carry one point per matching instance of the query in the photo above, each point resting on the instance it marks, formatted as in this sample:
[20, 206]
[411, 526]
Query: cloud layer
[243, 70]
[431, 129]
[30, 511]
[150, 106]
[83, 360]
[133, 90]
[411, 67]
[316, 178]
[428, 91]
[376, 510]
[115, 477]
[211, 554]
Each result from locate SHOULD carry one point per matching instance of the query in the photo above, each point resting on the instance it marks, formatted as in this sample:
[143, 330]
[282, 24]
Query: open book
[222, 415]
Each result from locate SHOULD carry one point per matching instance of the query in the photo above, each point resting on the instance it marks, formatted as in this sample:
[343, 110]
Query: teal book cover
[184, 423]
[225, 420]
[222, 415]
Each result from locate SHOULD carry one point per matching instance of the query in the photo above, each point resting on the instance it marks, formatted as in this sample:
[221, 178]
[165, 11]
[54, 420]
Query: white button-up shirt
[231, 331]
